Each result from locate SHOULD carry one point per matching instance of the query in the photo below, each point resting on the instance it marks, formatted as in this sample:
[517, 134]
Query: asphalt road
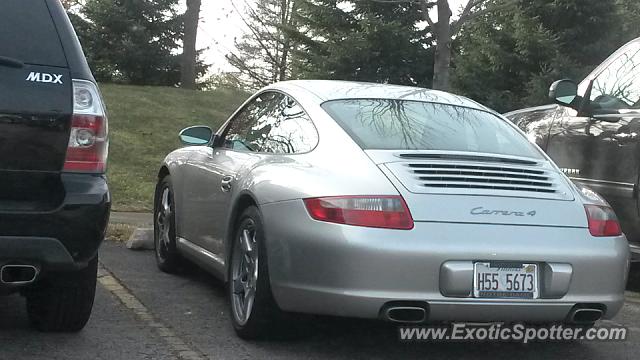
[141, 313]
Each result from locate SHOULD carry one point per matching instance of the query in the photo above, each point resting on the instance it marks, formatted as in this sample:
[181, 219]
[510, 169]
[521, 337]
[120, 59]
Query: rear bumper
[369, 304]
[333, 269]
[65, 238]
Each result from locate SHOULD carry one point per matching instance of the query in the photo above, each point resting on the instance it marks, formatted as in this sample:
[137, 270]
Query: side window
[292, 130]
[272, 123]
[618, 85]
[249, 128]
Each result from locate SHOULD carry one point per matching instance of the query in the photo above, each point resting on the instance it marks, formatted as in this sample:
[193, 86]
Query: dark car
[593, 133]
[54, 200]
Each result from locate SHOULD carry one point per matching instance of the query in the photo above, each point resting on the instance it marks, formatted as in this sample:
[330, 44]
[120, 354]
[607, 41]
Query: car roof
[326, 90]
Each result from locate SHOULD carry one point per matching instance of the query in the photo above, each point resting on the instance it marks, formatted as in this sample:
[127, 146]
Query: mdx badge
[44, 78]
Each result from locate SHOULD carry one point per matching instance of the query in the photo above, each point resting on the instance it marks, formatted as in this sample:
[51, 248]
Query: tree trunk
[189, 54]
[442, 58]
[287, 19]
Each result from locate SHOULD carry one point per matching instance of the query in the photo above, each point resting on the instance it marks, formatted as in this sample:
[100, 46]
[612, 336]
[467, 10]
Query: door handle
[226, 183]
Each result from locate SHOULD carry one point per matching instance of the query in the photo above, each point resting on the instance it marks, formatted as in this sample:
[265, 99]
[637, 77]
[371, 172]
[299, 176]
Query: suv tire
[63, 301]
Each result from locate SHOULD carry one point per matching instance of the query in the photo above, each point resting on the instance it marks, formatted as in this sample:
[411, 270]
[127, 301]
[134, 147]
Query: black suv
[593, 133]
[54, 200]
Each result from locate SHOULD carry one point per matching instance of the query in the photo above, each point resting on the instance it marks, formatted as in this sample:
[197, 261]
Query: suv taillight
[88, 141]
[602, 221]
[388, 212]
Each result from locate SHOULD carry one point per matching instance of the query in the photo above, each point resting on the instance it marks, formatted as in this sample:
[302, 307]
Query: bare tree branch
[471, 4]
[262, 54]
[472, 14]
[401, 1]
[256, 35]
[236, 61]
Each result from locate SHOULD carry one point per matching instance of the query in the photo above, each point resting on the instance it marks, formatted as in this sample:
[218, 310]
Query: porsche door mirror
[196, 135]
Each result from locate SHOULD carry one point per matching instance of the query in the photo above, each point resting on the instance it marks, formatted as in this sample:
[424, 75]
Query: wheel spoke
[246, 240]
[248, 260]
[238, 287]
[254, 273]
[166, 206]
[159, 218]
[238, 301]
[249, 293]
[165, 235]
[248, 303]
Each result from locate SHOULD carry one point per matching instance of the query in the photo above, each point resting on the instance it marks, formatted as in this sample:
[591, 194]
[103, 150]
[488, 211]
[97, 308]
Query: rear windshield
[384, 124]
[28, 33]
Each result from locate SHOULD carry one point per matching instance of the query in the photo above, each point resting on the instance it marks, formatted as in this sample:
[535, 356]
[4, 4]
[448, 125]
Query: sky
[221, 23]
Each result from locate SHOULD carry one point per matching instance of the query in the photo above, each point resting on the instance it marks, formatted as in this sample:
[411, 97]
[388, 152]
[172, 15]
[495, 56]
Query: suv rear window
[386, 124]
[28, 33]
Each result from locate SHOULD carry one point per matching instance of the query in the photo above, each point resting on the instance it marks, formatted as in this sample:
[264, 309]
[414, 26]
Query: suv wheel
[254, 312]
[63, 301]
[164, 227]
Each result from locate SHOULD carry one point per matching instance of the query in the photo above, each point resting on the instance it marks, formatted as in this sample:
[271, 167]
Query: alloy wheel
[244, 272]
[163, 224]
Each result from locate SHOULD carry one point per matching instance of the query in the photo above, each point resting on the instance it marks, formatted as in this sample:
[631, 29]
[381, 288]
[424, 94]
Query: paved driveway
[142, 313]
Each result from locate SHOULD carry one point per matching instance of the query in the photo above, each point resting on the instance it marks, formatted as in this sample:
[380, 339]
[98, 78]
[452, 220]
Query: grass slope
[144, 122]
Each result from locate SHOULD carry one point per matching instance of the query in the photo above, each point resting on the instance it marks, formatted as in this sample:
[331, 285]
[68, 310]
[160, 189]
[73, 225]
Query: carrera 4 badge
[482, 211]
[44, 78]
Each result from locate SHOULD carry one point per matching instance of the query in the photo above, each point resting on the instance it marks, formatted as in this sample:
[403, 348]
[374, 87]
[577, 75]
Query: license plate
[505, 280]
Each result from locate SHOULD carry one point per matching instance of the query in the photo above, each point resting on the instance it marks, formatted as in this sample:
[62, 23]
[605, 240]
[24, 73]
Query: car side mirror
[196, 135]
[564, 92]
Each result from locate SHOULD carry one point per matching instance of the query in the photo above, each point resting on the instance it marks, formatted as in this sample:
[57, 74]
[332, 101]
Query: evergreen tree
[364, 41]
[629, 12]
[508, 58]
[132, 41]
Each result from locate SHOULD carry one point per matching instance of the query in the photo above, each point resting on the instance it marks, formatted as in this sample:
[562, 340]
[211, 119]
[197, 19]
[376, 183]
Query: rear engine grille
[459, 157]
[479, 174]
[465, 176]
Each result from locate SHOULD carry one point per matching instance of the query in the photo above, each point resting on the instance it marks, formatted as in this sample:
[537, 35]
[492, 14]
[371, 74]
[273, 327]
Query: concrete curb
[131, 218]
[141, 239]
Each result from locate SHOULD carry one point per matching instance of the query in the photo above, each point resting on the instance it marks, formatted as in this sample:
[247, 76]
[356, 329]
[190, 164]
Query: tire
[263, 318]
[63, 301]
[164, 227]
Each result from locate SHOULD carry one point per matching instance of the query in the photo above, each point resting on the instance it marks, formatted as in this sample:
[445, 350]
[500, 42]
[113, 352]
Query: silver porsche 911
[390, 202]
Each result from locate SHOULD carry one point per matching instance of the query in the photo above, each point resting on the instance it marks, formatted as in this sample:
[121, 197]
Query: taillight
[602, 221]
[88, 141]
[388, 212]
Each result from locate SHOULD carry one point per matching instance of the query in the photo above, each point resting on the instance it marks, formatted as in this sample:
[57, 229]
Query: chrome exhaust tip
[581, 316]
[407, 313]
[18, 274]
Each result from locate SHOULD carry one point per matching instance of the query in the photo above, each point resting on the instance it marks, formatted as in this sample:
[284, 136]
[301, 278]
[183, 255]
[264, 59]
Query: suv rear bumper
[65, 238]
